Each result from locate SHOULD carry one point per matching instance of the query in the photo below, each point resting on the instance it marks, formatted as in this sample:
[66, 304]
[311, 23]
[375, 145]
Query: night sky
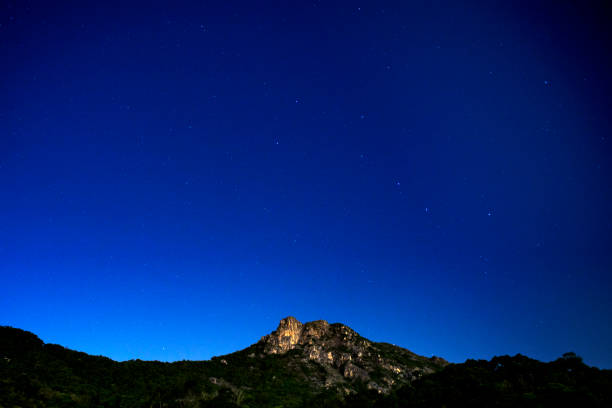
[176, 178]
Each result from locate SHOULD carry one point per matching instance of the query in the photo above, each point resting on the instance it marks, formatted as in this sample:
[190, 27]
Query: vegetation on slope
[34, 374]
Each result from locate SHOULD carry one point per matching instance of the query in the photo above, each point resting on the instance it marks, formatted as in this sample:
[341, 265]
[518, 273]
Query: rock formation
[346, 356]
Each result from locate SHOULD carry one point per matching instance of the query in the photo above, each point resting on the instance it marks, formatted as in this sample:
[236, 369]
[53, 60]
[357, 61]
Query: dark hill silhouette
[313, 364]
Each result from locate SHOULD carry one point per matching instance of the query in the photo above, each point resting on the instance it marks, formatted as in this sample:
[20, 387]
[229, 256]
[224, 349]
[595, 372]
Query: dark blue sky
[176, 178]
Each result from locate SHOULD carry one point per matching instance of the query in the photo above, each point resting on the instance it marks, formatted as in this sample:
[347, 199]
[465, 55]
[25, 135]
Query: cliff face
[346, 356]
[285, 337]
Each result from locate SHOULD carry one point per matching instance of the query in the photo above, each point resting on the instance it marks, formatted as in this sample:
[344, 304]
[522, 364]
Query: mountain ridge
[314, 364]
[296, 361]
[343, 351]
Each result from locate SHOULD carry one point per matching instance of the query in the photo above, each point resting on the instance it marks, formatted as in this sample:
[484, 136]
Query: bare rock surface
[347, 357]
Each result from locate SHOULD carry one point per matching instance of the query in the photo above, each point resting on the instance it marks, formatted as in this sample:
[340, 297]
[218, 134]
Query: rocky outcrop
[290, 334]
[285, 337]
[350, 370]
[346, 356]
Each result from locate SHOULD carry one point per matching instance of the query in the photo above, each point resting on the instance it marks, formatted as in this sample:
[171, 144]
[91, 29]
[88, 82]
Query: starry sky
[176, 177]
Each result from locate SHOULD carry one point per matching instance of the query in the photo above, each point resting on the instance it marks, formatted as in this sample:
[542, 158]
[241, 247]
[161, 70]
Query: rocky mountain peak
[288, 323]
[345, 356]
[291, 333]
[285, 337]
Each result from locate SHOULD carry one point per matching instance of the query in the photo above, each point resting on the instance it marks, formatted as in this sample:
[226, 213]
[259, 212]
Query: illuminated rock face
[346, 356]
[290, 334]
[285, 337]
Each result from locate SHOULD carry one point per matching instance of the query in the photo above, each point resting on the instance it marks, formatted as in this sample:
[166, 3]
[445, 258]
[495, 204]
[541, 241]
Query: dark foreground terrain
[316, 364]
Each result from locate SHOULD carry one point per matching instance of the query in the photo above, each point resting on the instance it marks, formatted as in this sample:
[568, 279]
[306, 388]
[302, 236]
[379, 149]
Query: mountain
[345, 356]
[312, 364]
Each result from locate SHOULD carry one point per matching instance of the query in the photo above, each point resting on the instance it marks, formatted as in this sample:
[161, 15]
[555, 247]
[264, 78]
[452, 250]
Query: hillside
[311, 364]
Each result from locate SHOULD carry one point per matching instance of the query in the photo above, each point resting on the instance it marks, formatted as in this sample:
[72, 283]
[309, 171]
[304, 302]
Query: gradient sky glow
[176, 177]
